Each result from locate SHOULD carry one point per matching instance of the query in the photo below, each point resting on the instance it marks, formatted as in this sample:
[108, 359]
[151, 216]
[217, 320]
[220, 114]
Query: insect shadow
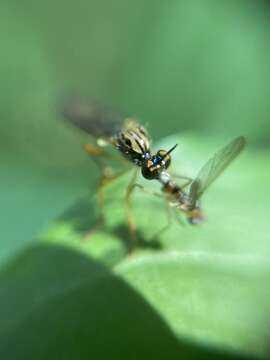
[82, 216]
[123, 233]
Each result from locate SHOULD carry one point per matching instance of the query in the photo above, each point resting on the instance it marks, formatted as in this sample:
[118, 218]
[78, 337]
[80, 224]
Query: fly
[189, 201]
[126, 135]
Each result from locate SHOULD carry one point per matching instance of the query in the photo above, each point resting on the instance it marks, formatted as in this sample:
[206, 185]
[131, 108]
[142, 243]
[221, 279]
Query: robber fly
[189, 201]
[126, 134]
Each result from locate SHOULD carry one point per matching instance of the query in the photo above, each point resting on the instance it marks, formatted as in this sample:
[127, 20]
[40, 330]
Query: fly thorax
[126, 144]
[170, 187]
[164, 178]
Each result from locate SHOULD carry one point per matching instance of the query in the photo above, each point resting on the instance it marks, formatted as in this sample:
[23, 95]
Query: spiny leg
[103, 182]
[98, 155]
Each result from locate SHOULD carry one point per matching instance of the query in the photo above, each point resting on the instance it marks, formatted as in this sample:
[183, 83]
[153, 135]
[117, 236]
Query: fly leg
[169, 220]
[99, 155]
[146, 191]
[105, 180]
[102, 183]
[187, 180]
[134, 186]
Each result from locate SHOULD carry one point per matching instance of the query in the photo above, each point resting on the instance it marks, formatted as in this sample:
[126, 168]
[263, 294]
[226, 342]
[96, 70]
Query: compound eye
[149, 171]
[165, 157]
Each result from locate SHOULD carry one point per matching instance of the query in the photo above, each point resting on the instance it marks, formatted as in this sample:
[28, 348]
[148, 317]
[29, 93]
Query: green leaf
[184, 293]
[59, 304]
[222, 300]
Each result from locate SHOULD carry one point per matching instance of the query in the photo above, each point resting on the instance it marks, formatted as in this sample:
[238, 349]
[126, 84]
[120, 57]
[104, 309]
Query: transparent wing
[215, 166]
[91, 117]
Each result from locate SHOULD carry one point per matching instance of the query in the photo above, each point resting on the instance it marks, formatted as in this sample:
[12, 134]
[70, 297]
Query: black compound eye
[148, 171]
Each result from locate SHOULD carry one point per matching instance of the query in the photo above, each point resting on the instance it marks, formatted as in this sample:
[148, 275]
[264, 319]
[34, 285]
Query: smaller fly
[189, 201]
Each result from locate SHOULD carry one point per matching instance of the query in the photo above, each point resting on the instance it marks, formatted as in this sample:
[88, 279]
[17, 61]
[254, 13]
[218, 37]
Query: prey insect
[188, 201]
[126, 135]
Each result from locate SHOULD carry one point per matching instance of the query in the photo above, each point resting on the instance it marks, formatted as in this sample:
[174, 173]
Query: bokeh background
[184, 65]
[181, 66]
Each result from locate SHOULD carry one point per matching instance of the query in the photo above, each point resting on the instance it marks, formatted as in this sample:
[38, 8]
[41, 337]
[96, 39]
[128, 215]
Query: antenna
[169, 151]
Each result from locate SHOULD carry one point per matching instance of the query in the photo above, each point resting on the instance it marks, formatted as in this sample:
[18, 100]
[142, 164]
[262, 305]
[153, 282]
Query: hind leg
[99, 156]
[104, 181]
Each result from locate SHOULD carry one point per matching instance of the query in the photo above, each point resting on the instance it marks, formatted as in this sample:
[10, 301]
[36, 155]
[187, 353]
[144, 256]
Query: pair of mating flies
[131, 139]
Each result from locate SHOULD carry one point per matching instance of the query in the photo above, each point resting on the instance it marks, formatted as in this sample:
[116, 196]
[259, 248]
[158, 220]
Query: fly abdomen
[171, 188]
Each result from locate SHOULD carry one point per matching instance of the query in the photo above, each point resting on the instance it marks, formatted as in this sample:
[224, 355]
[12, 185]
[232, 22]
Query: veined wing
[215, 166]
[90, 117]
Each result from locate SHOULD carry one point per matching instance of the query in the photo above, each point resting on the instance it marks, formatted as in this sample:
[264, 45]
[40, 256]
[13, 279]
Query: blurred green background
[182, 67]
